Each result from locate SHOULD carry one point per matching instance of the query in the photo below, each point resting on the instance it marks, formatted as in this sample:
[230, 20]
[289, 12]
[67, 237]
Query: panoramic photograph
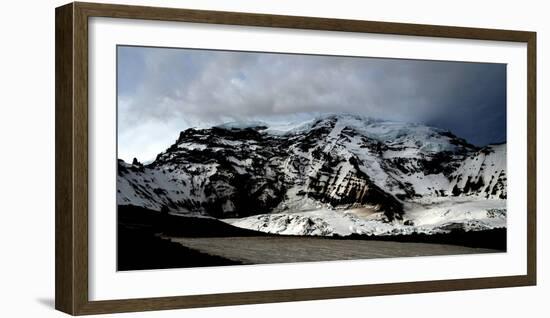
[245, 158]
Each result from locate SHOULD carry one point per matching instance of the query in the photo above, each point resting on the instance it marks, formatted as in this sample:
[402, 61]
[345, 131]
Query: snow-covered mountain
[332, 163]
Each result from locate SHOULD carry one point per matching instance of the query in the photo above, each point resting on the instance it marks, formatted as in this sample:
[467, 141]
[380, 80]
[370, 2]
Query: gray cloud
[173, 89]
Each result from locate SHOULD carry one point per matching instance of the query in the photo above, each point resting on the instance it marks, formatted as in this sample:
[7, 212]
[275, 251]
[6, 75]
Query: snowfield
[438, 215]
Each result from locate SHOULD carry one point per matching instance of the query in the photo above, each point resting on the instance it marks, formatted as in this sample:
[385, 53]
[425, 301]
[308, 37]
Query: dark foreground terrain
[139, 245]
[152, 240]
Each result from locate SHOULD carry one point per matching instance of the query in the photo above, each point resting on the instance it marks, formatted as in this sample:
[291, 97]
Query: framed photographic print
[210, 158]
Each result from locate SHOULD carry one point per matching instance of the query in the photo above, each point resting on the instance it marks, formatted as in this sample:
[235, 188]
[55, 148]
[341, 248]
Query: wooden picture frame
[71, 166]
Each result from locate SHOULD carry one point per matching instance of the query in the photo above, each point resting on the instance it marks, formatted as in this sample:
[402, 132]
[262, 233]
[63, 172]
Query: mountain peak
[334, 160]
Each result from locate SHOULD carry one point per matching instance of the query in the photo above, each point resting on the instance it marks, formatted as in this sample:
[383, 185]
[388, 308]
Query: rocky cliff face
[481, 173]
[335, 161]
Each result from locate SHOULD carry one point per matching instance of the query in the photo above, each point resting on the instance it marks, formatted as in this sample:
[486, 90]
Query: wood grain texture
[72, 157]
[165, 303]
[80, 167]
[297, 22]
[532, 158]
[64, 235]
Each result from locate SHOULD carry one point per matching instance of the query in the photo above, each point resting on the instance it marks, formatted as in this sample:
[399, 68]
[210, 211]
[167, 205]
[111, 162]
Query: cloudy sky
[163, 91]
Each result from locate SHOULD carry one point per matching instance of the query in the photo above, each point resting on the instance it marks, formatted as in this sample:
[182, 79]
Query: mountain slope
[335, 162]
[482, 173]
